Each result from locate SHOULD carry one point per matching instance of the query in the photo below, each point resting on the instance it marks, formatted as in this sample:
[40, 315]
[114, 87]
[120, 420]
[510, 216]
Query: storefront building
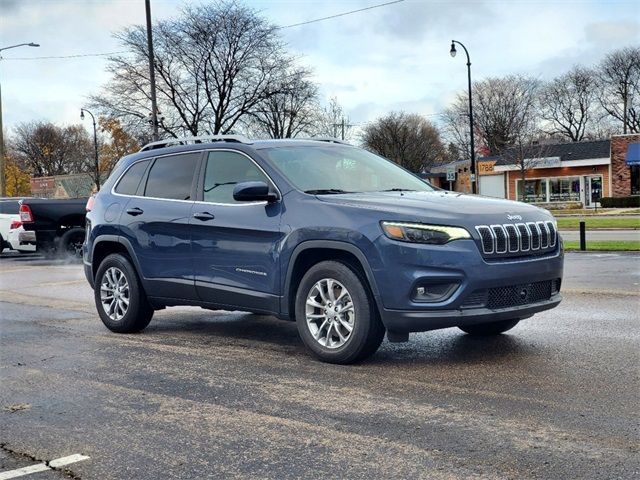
[555, 175]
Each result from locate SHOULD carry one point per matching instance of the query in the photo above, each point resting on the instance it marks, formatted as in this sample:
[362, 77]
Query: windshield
[340, 169]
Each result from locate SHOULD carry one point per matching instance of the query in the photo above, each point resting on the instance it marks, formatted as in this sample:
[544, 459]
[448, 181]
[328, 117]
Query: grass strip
[592, 223]
[605, 245]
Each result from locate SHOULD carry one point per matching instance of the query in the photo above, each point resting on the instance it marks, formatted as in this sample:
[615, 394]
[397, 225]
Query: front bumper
[408, 266]
[421, 321]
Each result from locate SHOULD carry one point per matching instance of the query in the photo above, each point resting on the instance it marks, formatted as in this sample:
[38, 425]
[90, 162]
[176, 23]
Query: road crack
[27, 456]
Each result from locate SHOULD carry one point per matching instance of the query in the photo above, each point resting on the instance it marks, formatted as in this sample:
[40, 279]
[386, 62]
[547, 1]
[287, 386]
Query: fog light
[434, 293]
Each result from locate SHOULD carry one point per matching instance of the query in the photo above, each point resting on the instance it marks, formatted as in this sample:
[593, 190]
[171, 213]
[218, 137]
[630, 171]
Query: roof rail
[329, 140]
[194, 140]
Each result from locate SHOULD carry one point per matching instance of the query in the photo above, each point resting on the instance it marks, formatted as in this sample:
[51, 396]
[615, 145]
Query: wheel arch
[311, 252]
[108, 244]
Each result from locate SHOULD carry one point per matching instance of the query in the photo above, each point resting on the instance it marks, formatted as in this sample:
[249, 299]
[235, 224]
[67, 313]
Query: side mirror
[253, 192]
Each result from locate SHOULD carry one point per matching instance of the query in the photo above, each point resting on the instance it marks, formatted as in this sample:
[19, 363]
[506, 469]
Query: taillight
[15, 224]
[25, 213]
[90, 203]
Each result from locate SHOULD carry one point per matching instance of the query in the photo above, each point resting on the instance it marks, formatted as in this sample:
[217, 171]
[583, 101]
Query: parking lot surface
[202, 394]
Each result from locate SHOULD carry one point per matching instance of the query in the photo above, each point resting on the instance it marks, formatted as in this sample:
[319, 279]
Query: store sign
[546, 162]
[485, 168]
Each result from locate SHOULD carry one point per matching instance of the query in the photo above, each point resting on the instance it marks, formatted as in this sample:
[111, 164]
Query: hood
[447, 208]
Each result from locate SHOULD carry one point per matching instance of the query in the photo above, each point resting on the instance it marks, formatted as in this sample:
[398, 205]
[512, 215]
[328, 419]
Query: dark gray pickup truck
[58, 223]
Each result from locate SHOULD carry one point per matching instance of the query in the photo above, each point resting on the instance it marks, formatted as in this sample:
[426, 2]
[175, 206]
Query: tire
[137, 315]
[328, 338]
[487, 329]
[70, 242]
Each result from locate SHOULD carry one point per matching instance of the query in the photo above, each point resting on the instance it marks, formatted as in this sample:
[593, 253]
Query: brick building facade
[625, 178]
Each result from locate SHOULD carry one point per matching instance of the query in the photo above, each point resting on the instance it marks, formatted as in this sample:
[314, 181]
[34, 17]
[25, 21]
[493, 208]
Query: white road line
[42, 467]
[20, 472]
[61, 462]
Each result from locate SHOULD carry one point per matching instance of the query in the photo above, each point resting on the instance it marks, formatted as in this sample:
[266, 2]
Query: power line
[341, 14]
[351, 12]
[67, 56]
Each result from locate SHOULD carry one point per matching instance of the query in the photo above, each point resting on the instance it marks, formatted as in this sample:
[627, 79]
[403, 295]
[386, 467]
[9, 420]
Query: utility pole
[343, 124]
[152, 74]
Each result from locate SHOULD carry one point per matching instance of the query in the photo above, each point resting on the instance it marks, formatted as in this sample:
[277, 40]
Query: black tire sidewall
[139, 312]
[65, 240]
[366, 315]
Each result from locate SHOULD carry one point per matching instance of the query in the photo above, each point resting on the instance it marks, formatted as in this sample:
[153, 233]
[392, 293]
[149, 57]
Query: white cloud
[394, 57]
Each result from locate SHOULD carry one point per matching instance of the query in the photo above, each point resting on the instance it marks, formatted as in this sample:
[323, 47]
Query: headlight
[421, 233]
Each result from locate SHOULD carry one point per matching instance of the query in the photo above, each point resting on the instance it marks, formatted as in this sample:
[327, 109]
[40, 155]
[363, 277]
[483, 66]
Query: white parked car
[20, 239]
[9, 213]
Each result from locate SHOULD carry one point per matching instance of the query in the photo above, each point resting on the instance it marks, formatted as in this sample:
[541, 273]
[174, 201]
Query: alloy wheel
[114, 293]
[330, 313]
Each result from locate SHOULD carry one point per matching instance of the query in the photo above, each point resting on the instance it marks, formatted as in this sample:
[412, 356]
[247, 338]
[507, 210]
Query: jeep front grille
[517, 239]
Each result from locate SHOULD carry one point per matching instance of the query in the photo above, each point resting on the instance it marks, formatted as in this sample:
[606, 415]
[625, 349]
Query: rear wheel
[122, 304]
[337, 318]
[493, 328]
[70, 242]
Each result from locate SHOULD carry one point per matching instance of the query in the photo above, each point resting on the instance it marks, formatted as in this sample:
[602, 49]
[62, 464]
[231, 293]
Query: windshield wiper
[399, 190]
[326, 191]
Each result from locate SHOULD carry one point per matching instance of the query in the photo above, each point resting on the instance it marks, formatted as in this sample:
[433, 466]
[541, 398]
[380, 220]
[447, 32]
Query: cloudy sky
[388, 58]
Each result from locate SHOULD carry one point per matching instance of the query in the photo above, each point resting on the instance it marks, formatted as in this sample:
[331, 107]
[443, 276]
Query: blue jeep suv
[347, 244]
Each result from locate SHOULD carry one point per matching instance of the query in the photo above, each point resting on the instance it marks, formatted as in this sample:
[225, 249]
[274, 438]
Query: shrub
[620, 202]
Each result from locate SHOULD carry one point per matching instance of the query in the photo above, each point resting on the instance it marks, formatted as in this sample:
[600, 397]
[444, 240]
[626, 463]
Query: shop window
[566, 189]
[535, 191]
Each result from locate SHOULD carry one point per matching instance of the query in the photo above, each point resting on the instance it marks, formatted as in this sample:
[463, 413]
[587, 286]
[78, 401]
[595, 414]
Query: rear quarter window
[172, 176]
[128, 184]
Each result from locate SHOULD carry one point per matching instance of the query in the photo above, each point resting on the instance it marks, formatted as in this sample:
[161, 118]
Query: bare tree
[567, 103]
[619, 87]
[503, 108]
[331, 121]
[408, 139]
[290, 112]
[47, 149]
[214, 65]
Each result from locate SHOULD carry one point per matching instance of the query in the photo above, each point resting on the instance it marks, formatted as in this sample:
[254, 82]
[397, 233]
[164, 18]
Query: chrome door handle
[135, 211]
[203, 216]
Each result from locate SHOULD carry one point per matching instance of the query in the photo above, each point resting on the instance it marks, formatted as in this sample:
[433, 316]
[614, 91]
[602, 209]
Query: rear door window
[172, 177]
[128, 184]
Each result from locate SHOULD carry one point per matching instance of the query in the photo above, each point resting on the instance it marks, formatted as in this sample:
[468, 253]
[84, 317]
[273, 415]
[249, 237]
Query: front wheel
[121, 302]
[336, 315]
[486, 329]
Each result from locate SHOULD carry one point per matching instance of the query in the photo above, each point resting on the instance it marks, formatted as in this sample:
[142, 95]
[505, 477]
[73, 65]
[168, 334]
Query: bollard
[583, 236]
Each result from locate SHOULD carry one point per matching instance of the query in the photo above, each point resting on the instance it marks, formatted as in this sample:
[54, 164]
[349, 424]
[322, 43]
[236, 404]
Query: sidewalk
[600, 235]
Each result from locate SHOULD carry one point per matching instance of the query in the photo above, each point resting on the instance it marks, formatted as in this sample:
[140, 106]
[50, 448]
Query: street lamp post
[3, 183]
[473, 149]
[95, 145]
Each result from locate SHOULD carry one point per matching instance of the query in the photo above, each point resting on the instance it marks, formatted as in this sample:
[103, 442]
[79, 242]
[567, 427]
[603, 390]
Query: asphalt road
[204, 394]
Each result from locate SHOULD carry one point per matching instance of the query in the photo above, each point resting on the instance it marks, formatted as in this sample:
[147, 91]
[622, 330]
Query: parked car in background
[21, 240]
[9, 213]
[58, 224]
